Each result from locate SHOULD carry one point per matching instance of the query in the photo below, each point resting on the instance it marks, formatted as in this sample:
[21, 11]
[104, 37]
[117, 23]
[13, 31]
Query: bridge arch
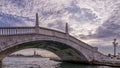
[12, 37]
[17, 38]
[64, 51]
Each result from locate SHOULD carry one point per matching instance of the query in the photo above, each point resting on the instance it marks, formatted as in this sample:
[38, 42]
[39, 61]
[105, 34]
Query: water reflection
[72, 65]
[22, 62]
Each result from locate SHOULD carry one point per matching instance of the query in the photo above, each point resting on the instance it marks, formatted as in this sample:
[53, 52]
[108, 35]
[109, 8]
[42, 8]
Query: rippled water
[22, 62]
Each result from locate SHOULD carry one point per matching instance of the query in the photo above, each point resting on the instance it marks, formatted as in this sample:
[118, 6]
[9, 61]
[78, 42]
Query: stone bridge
[67, 47]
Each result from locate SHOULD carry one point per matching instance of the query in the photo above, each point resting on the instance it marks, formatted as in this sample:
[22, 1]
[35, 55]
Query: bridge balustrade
[59, 34]
[16, 30]
[51, 32]
[29, 30]
[46, 31]
[81, 43]
[41, 30]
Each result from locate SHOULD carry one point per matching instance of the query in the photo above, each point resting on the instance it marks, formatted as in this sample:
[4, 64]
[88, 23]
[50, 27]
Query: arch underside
[65, 52]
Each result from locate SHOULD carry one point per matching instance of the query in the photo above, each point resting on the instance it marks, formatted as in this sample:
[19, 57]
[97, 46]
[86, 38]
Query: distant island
[21, 55]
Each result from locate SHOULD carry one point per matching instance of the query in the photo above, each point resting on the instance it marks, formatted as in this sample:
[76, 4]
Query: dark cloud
[110, 28]
[80, 14]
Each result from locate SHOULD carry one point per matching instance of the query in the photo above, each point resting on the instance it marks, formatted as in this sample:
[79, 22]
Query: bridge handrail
[42, 30]
[15, 30]
[83, 43]
[15, 27]
[71, 38]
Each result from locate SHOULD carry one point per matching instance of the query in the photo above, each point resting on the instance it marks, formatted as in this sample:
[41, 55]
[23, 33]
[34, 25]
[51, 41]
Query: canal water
[23, 62]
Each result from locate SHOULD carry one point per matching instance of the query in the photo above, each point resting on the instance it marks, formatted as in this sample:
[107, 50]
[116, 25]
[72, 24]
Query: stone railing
[6, 31]
[16, 30]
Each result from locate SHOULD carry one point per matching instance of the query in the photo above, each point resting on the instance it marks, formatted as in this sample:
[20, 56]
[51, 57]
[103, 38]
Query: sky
[95, 22]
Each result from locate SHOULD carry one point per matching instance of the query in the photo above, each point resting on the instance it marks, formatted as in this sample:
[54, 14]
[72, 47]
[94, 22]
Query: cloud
[18, 3]
[58, 24]
[6, 19]
[106, 32]
[110, 28]
[80, 14]
[89, 20]
[12, 20]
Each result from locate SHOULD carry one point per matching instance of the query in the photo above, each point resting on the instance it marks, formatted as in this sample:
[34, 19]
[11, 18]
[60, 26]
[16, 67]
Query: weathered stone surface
[65, 46]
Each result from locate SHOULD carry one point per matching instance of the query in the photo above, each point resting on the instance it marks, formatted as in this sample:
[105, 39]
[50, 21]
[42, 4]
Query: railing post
[66, 28]
[2, 31]
[16, 31]
[67, 31]
[8, 31]
[37, 24]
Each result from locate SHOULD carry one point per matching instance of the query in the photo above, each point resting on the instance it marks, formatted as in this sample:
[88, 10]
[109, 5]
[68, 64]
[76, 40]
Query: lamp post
[115, 45]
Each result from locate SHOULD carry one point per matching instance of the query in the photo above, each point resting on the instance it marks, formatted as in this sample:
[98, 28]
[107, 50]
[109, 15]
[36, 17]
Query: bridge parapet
[16, 30]
[6, 31]
[73, 39]
[24, 34]
[13, 36]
